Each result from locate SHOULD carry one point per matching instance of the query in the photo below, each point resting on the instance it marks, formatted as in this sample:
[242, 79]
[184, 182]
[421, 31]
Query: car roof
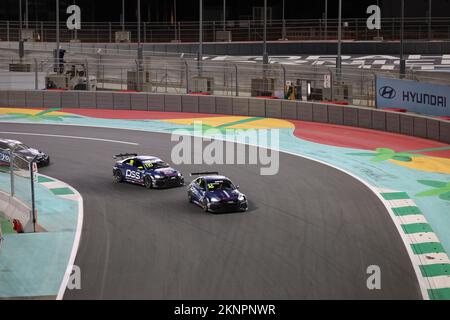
[215, 178]
[148, 158]
[9, 141]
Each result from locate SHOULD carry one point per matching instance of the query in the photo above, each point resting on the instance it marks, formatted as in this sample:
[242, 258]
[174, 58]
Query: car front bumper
[228, 206]
[43, 161]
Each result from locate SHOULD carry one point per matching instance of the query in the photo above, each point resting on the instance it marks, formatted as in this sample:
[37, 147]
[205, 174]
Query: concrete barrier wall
[69, 99]
[139, 101]
[407, 124]
[14, 209]
[189, 103]
[257, 107]
[52, 99]
[207, 104]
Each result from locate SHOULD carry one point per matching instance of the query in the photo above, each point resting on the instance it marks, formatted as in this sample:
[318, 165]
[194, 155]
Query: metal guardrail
[173, 74]
[417, 28]
[16, 181]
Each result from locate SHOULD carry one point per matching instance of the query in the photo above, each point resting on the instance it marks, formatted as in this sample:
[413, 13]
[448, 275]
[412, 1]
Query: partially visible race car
[21, 151]
[216, 193]
[148, 171]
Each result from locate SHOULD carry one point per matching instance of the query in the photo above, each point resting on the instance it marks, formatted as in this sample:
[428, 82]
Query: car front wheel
[148, 183]
[205, 205]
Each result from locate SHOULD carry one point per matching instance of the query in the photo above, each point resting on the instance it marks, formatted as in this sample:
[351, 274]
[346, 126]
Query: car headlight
[29, 158]
[179, 174]
[241, 197]
[157, 176]
[215, 200]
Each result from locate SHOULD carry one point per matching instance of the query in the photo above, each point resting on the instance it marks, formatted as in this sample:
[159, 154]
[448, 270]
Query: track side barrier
[362, 117]
[16, 210]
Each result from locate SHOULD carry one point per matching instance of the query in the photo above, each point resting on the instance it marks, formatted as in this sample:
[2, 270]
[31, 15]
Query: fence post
[145, 31]
[11, 168]
[87, 77]
[331, 84]
[110, 32]
[284, 78]
[36, 79]
[137, 78]
[375, 89]
[166, 76]
[237, 83]
[187, 75]
[7, 30]
[33, 205]
[121, 78]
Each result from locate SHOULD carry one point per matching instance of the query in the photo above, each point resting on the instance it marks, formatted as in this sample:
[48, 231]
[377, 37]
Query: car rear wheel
[190, 197]
[148, 183]
[118, 176]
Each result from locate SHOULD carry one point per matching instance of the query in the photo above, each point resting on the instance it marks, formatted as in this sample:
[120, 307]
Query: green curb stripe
[435, 270]
[416, 228]
[439, 294]
[230, 124]
[406, 211]
[427, 247]
[61, 191]
[395, 196]
[6, 226]
[42, 179]
[429, 150]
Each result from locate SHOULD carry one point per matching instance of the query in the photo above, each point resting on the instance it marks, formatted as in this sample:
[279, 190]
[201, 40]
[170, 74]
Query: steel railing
[419, 28]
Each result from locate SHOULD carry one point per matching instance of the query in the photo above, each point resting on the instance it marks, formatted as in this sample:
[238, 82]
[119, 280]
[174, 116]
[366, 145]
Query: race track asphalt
[310, 233]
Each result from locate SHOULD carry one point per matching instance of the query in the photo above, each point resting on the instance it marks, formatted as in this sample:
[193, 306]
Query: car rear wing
[125, 155]
[204, 173]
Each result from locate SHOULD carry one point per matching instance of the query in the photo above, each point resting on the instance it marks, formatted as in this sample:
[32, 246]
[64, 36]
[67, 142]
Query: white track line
[69, 137]
[76, 241]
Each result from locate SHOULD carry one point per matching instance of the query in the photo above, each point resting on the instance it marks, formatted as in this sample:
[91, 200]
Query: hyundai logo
[387, 92]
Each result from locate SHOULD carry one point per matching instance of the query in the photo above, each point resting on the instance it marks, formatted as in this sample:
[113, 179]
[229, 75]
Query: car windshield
[21, 147]
[220, 185]
[155, 164]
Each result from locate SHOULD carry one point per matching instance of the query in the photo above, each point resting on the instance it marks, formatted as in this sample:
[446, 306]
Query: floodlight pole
[339, 49]
[283, 30]
[265, 54]
[200, 48]
[123, 15]
[402, 36]
[57, 36]
[20, 20]
[430, 5]
[224, 15]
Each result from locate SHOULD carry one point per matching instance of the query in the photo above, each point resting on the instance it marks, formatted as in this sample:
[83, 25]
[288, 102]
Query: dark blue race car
[215, 193]
[148, 171]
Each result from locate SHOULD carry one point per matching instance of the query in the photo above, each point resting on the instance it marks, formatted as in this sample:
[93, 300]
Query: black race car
[148, 171]
[216, 193]
[21, 151]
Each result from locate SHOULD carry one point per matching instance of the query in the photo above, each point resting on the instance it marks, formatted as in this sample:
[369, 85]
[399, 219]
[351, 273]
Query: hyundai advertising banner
[418, 97]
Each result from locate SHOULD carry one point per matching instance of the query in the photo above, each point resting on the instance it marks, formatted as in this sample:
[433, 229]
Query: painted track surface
[311, 233]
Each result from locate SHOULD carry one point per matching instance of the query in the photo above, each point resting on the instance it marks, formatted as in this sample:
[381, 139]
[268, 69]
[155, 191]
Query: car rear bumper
[168, 182]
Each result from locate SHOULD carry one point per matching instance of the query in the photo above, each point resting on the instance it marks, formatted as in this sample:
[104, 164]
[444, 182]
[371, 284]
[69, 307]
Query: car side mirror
[237, 187]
